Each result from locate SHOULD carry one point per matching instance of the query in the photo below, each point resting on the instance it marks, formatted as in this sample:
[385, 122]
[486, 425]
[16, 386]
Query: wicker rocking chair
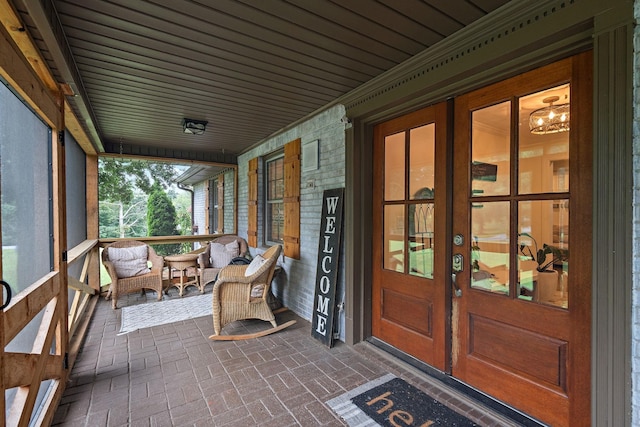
[128, 270]
[237, 296]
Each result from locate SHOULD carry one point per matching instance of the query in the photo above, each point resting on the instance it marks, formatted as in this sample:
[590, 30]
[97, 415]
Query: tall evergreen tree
[161, 219]
[123, 187]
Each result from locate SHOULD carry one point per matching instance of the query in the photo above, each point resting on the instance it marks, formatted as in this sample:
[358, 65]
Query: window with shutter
[281, 200]
[292, 199]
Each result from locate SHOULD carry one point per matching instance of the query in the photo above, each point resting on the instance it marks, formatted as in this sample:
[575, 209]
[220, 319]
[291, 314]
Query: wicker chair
[125, 285]
[239, 297]
[208, 272]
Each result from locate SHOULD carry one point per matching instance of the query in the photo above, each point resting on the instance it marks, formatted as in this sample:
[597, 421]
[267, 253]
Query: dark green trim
[612, 227]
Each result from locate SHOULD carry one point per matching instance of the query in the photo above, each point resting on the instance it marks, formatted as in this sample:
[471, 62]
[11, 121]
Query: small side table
[181, 263]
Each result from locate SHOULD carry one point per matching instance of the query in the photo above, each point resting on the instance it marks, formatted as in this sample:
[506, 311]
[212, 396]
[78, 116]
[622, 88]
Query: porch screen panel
[26, 193]
[76, 186]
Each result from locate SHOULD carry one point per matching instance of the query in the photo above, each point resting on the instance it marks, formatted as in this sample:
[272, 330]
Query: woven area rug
[391, 401]
[156, 313]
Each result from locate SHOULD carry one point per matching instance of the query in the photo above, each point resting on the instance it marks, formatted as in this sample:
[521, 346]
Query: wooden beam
[79, 250]
[91, 164]
[59, 163]
[75, 304]
[28, 303]
[23, 364]
[25, 397]
[15, 69]
[170, 160]
[86, 265]
[17, 31]
[72, 124]
[78, 308]
[157, 240]
[79, 286]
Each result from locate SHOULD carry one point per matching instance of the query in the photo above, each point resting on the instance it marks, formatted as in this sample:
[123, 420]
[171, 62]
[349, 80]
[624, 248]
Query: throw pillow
[130, 262]
[221, 255]
[255, 265]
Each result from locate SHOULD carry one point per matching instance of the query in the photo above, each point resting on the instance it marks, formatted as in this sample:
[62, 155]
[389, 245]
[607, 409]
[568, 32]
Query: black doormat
[395, 402]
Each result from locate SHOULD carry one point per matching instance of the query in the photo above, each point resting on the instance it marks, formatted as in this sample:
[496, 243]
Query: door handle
[8, 292]
[456, 289]
[456, 266]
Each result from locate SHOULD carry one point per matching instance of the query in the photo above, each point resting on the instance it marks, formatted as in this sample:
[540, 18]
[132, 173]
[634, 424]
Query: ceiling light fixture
[551, 119]
[193, 127]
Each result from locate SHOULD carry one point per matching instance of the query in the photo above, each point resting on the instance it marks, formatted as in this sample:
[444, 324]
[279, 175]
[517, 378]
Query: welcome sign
[327, 266]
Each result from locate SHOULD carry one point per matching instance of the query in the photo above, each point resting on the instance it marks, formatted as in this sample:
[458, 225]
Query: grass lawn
[104, 275]
[10, 267]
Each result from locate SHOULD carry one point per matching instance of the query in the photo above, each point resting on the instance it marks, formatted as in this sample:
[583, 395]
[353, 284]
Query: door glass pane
[543, 262]
[490, 142]
[421, 239]
[543, 139]
[421, 162]
[394, 166]
[393, 237]
[490, 246]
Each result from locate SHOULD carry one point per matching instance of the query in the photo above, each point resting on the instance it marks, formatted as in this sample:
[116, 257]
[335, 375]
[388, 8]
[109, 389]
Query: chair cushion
[221, 255]
[255, 265]
[257, 290]
[131, 261]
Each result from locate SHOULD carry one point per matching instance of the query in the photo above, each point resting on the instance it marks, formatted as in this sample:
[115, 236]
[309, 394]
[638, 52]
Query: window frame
[267, 201]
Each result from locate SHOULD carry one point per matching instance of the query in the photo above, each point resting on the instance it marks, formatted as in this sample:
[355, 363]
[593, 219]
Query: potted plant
[547, 282]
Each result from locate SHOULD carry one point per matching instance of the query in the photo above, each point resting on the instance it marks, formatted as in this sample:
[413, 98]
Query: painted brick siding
[295, 285]
[635, 327]
[199, 205]
[229, 198]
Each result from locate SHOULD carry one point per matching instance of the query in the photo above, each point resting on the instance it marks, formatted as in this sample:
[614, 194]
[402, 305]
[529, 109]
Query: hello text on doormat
[397, 402]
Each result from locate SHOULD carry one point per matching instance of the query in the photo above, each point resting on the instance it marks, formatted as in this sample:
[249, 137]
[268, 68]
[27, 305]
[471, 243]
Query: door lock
[458, 263]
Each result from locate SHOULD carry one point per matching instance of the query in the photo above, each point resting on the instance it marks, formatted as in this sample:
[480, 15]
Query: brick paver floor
[173, 375]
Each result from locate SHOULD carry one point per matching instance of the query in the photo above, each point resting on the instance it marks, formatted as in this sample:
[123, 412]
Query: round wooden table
[181, 263]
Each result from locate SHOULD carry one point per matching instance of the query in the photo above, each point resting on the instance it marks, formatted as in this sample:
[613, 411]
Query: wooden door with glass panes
[409, 292]
[522, 210]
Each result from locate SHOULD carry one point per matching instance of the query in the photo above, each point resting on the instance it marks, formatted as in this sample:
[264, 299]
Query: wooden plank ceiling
[248, 67]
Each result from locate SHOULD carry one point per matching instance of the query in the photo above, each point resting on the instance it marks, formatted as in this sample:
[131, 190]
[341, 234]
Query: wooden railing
[83, 292]
[160, 240]
[60, 329]
[28, 369]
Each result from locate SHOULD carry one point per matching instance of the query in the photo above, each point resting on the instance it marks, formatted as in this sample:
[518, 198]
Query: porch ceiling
[248, 67]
